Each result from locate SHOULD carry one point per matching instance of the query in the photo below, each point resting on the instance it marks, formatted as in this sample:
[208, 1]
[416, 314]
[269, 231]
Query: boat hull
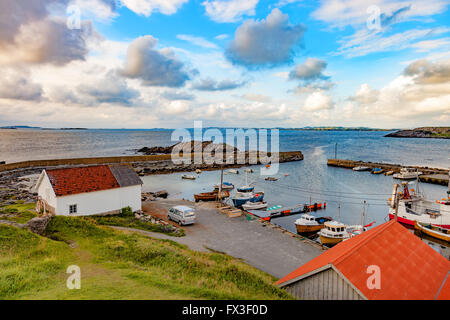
[410, 223]
[330, 241]
[431, 233]
[303, 229]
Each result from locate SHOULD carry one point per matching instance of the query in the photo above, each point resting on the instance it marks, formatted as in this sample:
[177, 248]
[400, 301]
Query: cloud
[311, 70]
[421, 92]
[229, 10]
[210, 84]
[427, 72]
[18, 86]
[268, 42]
[153, 67]
[147, 7]
[427, 45]
[318, 101]
[198, 41]
[313, 86]
[221, 36]
[256, 97]
[113, 89]
[177, 95]
[28, 34]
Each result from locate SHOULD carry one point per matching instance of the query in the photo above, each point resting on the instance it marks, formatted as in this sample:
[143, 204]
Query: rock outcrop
[38, 224]
[424, 132]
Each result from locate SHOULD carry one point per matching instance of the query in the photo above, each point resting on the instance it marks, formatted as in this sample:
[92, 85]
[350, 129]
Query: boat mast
[339, 211]
[363, 214]
[221, 182]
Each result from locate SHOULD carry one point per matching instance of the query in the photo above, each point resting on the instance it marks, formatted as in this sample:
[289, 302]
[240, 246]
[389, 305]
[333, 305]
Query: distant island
[337, 129]
[424, 132]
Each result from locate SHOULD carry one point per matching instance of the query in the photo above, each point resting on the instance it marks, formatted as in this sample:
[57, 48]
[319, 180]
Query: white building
[102, 189]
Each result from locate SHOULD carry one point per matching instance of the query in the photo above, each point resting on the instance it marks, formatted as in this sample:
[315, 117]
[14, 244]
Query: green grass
[119, 265]
[19, 212]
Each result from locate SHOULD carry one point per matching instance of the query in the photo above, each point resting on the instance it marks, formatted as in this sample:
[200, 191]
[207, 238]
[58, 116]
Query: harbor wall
[283, 157]
[430, 175]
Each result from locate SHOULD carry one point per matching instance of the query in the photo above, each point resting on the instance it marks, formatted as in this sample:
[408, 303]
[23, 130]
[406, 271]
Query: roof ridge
[351, 249]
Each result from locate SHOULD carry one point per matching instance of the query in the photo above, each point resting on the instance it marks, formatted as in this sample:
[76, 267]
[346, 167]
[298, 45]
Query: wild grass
[18, 212]
[117, 265]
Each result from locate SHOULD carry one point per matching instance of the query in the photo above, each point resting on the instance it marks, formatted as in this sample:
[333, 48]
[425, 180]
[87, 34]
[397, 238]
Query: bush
[126, 212]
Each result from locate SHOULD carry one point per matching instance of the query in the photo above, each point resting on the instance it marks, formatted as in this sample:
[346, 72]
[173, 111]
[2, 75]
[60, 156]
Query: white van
[182, 215]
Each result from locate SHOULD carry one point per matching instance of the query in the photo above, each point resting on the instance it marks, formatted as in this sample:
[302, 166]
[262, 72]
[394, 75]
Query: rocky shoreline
[424, 132]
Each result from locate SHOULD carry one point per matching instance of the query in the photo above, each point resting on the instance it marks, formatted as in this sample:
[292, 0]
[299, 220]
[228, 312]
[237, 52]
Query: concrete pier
[430, 175]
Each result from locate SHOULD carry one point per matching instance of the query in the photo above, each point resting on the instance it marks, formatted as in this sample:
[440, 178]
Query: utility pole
[363, 214]
[221, 182]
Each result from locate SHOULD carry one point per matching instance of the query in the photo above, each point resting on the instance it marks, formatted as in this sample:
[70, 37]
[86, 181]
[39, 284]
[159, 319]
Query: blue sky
[152, 63]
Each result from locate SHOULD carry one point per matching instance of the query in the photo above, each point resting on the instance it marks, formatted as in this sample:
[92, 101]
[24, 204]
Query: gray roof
[125, 175]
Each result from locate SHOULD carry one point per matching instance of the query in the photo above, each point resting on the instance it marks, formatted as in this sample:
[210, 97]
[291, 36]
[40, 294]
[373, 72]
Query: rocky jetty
[424, 132]
[186, 146]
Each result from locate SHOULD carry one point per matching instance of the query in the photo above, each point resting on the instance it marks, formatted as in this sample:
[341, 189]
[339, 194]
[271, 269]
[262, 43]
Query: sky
[229, 63]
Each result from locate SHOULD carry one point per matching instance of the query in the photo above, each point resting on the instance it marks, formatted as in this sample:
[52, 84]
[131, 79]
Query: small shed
[387, 262]
[90, 190]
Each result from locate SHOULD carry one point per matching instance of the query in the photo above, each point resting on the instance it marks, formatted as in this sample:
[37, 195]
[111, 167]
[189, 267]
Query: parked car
[183, 215]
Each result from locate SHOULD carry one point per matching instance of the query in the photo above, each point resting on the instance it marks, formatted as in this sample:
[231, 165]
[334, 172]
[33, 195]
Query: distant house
[387, 262]
[102, 189]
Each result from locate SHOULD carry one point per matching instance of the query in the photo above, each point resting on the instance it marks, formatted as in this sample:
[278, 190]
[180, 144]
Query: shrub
[126, 212]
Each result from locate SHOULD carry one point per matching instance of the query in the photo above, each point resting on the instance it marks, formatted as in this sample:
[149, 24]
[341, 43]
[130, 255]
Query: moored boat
[211, 196]
[234, 171]
[271, 179]
[254, 205]
[389, 173]
[333, 233]
[308, 224]
[225, 186]
[361, 168]
[377, 171]
[407, 174]
[188, 177]
[433, 231]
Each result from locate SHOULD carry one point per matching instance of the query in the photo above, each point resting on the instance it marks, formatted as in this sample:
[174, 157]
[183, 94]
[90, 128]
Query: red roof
[81, 180]
[409, 268]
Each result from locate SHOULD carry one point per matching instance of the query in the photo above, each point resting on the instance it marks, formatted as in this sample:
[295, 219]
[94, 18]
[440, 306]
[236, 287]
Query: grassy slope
[117, 265]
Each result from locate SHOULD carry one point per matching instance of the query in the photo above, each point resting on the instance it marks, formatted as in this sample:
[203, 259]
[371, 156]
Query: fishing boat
[361, 168]
[225, 186]
[410, 205]
[247, 187]
[333, 233]
[240, 198]
[308, 224]
[377, 171]
[271, 179]
[389, 173]
[211, 196]
[254, 205]
[433, 231]
[234, 171]
[188, 177]
[407, 174]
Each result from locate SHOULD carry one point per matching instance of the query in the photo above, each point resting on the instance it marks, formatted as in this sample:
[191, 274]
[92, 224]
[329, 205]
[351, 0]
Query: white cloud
[229, 10]
[266, 42]
[311, 70]
[15, 84]
[153, 67]
[427, 45]
[147, 7]
[210, 84]
[318, 101]
[198, 41]
[221, 36]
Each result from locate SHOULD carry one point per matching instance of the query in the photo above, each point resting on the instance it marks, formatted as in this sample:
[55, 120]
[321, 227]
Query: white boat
[188, 177]
[248, 170]
[407, 174]
[234, 171]
[410, 205]
[254, 205]
[225, 186]
[361, 168]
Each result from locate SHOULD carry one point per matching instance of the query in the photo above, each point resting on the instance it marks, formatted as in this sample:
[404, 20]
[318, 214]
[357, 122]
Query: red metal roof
[409, 268]
[81, 180]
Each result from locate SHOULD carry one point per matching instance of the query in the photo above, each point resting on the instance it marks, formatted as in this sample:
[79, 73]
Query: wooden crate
[234, 213]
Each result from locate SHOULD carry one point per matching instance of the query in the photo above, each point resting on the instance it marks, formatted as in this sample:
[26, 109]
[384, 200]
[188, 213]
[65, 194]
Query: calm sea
[310, 180]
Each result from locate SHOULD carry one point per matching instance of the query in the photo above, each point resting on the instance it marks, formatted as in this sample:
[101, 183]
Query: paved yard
[265, 248]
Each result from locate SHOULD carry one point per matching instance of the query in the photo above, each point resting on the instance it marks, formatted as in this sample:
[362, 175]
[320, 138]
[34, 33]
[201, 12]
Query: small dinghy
[433, 231]
[254, 205]
[361, 168]
[210, 196]
[225, 186]
[248, 170]
[234, 171]
[377, 171]
[271, 179]
[188, 177]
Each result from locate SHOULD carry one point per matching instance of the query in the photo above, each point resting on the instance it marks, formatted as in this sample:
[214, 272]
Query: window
[73, 208]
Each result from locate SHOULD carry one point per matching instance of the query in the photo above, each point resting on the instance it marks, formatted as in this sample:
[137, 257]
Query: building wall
[325, 285]
[100, 202]
[45, 191]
